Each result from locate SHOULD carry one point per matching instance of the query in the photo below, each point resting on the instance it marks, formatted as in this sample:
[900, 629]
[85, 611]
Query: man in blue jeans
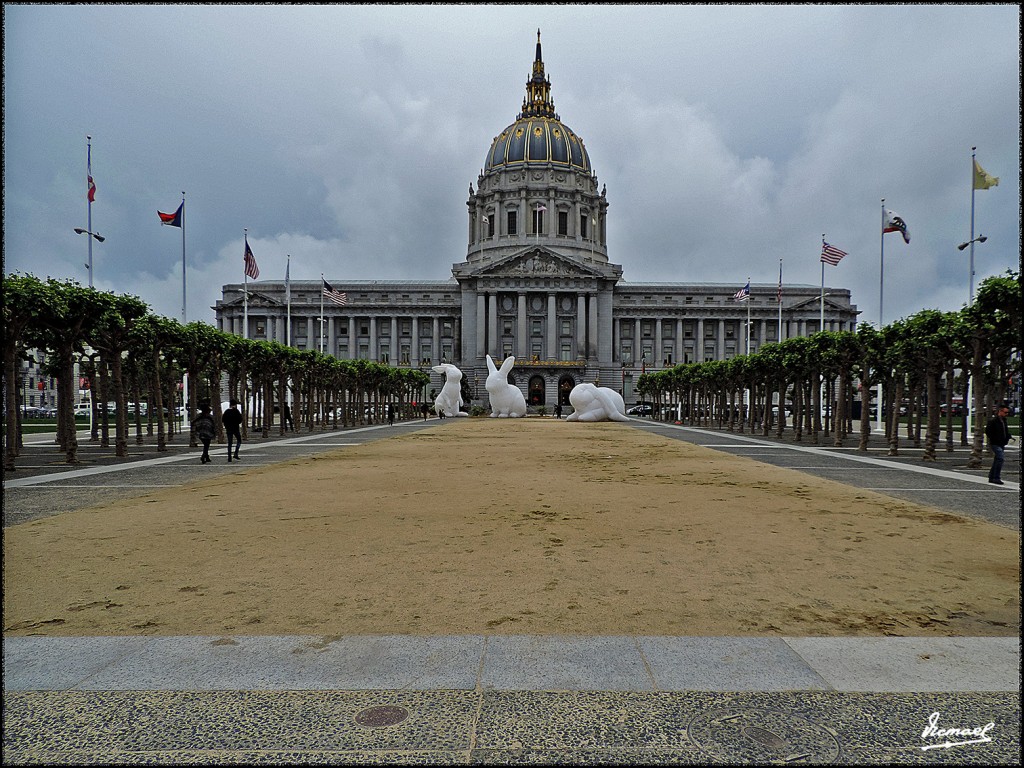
[998, 433]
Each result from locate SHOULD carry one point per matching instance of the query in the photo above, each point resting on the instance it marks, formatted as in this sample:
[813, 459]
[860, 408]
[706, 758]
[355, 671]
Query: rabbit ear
[439, 369]
[506, 366]
[490, 365]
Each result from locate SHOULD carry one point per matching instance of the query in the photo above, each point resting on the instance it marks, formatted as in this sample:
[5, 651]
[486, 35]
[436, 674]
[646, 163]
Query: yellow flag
[982, 179]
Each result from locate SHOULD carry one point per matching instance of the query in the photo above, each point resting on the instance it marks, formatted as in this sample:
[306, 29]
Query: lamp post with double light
[969, 400]
[962, 246]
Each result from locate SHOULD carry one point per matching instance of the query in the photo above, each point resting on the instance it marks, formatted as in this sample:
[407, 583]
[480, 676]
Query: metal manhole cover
[754, 735]
[381, 717]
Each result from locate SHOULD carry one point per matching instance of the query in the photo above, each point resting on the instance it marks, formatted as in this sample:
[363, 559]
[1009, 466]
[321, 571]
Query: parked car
[33, 412]
[640, 409]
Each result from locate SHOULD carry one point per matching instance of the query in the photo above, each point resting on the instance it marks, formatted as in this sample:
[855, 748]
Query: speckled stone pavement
[507, 699]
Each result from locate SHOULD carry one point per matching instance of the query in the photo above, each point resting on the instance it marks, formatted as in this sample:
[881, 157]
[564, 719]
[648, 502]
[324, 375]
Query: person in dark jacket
[998, 433]
[205, 429]
[232, 420]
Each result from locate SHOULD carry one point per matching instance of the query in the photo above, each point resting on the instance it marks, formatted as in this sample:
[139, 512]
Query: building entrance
[536, 390]
[565, 385]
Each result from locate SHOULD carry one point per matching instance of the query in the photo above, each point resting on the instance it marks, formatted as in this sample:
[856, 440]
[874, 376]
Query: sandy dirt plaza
[512, 526]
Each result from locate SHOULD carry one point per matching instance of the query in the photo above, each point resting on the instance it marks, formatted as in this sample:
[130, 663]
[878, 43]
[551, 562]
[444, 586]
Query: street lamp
[97, 235]
[99, 239]
[978, 239]
[962, 246]
[969, 400]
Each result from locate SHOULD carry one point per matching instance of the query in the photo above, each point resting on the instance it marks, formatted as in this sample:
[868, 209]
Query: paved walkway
[502, 699]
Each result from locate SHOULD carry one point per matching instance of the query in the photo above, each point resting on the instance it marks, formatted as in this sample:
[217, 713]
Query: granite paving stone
[727, 664]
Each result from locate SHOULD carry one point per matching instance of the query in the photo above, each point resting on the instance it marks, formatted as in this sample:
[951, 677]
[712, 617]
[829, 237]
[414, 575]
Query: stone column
[493, 337]
[658, 343]
[581, 325]
[720, 354]
[435, 342]
[698, 347]
[604, 327]
[521, 326]
[480, 322]
[395, 354]
[616, 340]
[372, 352]
[552, 350]
[414, 352]
[679, 348]
[593, 338]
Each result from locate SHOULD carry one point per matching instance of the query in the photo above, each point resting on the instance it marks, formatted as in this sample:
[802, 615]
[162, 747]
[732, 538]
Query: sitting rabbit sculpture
[593, 403]
[450, 399]
[506, 399]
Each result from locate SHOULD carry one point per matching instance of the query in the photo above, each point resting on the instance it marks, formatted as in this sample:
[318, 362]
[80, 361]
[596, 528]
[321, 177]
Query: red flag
[92, 184]
[172, 219]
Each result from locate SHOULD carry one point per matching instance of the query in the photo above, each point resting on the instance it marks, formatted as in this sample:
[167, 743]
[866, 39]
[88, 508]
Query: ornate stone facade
[537, 284]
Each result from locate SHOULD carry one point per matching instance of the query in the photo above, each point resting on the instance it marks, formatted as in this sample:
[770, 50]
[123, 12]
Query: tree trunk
[104, 407]
[975, 460]
[10, 406]
[158, 404]
[839, 420]
[932, 432]
[121, 409]
[894, 418]
[66, 401]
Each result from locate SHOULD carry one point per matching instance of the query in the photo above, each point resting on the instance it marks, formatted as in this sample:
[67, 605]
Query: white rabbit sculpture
[506, 399]
[593, 403]
[450, 399]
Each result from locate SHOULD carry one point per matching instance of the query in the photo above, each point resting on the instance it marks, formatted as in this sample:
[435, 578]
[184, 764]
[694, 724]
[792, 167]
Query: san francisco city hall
[536, 283]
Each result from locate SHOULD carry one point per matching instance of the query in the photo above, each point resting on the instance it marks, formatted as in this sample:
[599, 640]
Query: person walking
[391, 414]
[424, 409]
[998, 433]
[232, 420]
[205, 429]
[289, 424]
[558, 409]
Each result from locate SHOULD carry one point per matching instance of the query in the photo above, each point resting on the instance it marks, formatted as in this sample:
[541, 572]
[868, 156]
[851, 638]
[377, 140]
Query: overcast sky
[347, 136]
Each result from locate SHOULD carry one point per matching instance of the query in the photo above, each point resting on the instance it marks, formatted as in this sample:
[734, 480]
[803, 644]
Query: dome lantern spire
[537, 102]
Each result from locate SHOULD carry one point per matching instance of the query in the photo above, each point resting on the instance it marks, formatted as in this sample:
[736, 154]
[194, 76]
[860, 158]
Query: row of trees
[919, 360]
[125, 350]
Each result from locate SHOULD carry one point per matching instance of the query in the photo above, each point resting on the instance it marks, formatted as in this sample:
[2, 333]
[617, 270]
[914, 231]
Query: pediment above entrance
[256, 299]
[536, 262]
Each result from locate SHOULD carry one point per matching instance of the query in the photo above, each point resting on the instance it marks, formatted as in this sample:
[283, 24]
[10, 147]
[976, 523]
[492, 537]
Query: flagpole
[183, 300]
[748, 319]
[288, 302]
[245, 291]
[780, 302]
[821, 313]
[969, 399]
[970, 277]
[322, 281]
[88, 164]
[881, 284]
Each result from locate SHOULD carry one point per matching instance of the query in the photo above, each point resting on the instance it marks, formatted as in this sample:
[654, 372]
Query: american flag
[830, 254]
[251, 269]
[336, 296]
[778, 296]
[743, 293]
